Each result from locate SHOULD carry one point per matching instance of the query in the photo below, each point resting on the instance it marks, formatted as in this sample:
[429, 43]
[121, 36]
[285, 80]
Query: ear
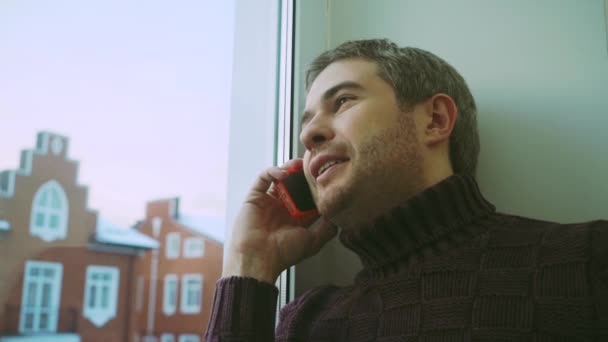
[441, 117]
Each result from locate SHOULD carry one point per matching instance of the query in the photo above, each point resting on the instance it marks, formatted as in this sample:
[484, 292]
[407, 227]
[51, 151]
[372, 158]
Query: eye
[342, 100]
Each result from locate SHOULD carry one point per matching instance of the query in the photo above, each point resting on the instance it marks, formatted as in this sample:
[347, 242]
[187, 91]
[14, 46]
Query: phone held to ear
[295, 194]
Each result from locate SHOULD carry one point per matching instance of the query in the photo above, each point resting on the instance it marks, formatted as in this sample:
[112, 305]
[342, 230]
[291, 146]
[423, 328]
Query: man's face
[362, 152]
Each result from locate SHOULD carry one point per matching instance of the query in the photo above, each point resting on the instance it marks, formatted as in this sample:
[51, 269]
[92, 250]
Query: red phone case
[288, 200]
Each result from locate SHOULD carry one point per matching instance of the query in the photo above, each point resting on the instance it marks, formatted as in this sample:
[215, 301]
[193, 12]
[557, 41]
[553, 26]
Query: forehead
[359, 71]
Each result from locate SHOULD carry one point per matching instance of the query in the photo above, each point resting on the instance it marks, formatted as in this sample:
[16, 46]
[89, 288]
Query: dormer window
[50, 208]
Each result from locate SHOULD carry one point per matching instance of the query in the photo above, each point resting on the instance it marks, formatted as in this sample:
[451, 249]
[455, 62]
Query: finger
[293, 163]
[266, 177]
[272, 191]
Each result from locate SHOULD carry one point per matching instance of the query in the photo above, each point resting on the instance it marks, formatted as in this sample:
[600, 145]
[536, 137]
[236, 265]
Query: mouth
[325, 163]
[329, 165]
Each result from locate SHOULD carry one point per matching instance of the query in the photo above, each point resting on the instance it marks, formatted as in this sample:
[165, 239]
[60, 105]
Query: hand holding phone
[266, 237]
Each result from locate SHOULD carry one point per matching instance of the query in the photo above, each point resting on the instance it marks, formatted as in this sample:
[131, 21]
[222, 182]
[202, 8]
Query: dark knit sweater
[442, 267]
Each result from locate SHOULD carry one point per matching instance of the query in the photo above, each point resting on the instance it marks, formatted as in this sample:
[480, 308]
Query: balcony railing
[67, 320]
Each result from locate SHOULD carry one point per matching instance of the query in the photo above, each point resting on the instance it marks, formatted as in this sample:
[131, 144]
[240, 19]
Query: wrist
[251, 267]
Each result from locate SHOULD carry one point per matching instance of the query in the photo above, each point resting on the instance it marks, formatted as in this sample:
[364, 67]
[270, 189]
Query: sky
[141, 89]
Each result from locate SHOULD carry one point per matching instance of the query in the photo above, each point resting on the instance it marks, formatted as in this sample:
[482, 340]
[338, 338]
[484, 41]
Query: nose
[317, 132]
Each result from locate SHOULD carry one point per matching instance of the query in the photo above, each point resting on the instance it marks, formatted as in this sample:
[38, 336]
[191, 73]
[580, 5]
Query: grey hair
[416, 75]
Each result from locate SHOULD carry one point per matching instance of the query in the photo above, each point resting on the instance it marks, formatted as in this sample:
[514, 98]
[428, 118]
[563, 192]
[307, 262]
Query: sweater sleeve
[243, 310]
[599, 274]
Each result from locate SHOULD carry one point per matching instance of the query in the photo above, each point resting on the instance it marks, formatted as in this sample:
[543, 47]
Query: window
[172, 108]
[101, 294]
[167, 338]
[188, 338]
[49, 218]
[172, 246]
[194, 247]
[41, 297]
[170, 294]
[192, 290]
[139, 300]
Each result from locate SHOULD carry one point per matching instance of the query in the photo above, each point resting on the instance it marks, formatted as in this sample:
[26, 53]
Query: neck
[430, 218]
[359, 212]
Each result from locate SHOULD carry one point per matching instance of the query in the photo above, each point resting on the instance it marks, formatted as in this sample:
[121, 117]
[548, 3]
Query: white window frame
[166, 337]
[34, 282]
[185, 307]
[94, 294]
[266, 115]
[168, 307]
[189, 338]
[191, 250]
[172, 245]
[47, 212]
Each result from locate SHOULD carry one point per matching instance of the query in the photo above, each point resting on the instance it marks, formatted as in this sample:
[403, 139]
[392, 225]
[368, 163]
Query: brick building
[65, 275]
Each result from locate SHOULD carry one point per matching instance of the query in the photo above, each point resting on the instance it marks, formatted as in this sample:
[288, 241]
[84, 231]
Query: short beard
[389, 171]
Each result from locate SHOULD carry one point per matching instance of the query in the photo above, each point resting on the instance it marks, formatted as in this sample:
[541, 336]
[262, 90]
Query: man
[391, 152]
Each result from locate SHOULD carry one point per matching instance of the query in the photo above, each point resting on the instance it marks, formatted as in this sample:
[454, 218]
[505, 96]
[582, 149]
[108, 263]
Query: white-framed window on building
[170, 294]
[101, 294]
[167, 338]
[192, 293]
[50, 209]
[194, 247]
[139, 294]
[189, 338]
[41, 297]
[172, 245]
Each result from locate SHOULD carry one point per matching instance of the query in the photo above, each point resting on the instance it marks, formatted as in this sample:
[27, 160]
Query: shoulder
[557, 242]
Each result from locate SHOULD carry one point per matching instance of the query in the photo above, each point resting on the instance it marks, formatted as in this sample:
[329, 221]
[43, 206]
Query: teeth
[327, 166]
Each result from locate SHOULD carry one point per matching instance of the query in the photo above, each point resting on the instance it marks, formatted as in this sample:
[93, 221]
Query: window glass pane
[29, 321]
[53, 221]
[116, 118]
[48, 272]
[31, 294]
[105, 297]
[39, 219]
[44, 321]
[46, 295]
[92, 296]
[43, 199]
[55, 201]
[173, 293]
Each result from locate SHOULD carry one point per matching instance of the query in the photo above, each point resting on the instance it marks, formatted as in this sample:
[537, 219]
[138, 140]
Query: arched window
[50, 208]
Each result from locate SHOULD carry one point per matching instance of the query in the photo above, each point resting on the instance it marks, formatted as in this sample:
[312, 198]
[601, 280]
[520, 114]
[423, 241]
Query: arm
[243, 310]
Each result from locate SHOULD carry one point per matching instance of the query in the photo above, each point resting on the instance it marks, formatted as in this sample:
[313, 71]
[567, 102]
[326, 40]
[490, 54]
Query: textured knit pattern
[442, 267]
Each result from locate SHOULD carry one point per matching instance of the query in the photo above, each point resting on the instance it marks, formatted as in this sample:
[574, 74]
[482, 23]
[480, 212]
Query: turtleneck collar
[425, 220]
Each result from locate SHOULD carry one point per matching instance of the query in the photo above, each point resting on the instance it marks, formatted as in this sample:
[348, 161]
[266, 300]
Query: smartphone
[295, 194]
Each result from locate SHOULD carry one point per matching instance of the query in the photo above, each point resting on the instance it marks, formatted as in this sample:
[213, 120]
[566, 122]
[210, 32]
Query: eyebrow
[328, 94]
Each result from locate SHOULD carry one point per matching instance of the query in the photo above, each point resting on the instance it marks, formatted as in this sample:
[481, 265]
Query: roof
[213, 227]
[109, 233]
[4, 225]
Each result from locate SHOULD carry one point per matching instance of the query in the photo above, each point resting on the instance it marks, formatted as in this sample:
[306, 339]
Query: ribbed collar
[424, 220]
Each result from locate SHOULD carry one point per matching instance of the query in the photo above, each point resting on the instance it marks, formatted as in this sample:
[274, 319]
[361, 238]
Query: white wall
[539, 73]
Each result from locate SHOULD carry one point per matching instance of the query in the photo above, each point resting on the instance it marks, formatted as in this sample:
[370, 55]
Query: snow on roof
[212, 226]
[4, 225]
[109, 233]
